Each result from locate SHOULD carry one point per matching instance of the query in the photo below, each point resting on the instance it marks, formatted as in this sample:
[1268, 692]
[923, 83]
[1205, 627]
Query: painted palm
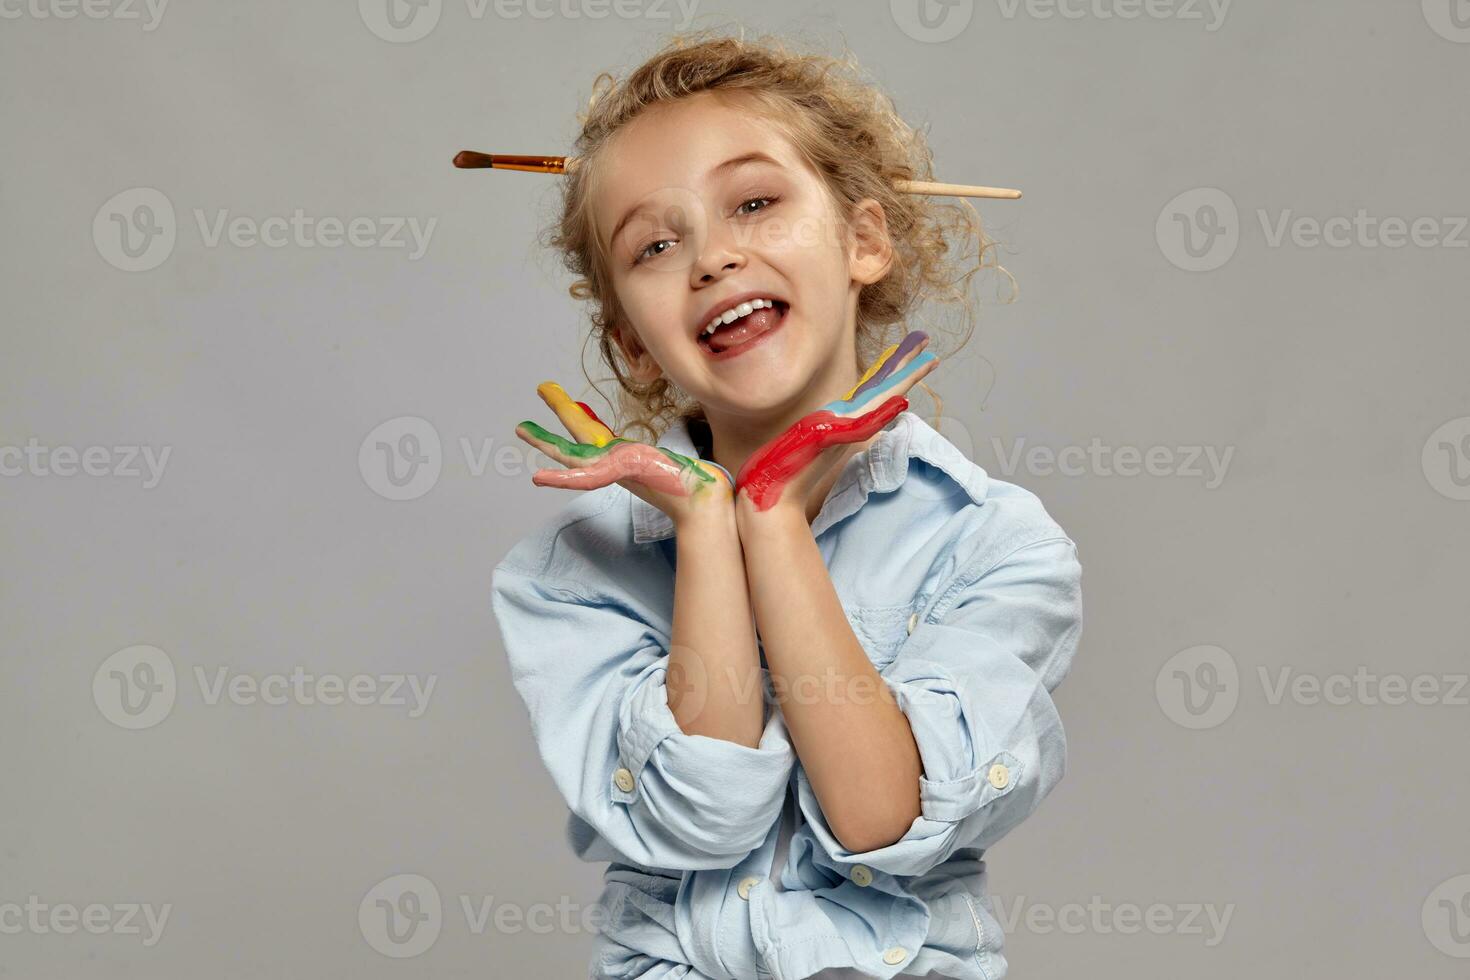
[599, 456]
[876, 399]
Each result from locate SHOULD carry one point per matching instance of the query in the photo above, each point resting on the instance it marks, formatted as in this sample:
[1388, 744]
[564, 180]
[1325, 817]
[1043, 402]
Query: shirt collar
[881, 468]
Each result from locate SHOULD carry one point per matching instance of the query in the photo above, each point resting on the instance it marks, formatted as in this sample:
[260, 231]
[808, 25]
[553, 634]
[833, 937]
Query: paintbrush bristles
[475, 160]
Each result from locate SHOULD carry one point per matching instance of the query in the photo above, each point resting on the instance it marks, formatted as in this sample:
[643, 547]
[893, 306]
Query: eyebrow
[719, 169]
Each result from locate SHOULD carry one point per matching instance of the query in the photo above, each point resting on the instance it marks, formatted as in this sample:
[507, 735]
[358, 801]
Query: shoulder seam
[969, 575]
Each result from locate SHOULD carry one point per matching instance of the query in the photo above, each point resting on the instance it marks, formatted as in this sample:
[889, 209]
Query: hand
[677, 485]
[784, 471]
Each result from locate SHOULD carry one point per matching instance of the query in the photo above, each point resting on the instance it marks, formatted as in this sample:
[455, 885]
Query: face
[700, 203]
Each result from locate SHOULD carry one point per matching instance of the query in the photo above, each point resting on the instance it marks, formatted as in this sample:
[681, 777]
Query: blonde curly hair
[843, 126]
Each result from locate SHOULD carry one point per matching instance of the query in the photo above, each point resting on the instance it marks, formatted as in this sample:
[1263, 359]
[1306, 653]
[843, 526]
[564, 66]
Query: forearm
[714, 679]
[851, 736]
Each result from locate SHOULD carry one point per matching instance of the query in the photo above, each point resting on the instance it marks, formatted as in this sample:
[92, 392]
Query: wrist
[781, 518]
[706, 523]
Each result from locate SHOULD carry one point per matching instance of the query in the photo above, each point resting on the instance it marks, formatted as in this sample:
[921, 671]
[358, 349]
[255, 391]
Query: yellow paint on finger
[583, 427]
[872, 370]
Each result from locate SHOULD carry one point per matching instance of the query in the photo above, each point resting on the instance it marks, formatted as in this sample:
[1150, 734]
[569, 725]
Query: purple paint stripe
[914, 338]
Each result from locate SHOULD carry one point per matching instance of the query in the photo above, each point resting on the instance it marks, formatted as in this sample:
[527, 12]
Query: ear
[870, 253]
[641, 365]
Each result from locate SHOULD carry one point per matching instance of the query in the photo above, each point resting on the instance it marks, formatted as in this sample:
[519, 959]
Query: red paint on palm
[768, 470]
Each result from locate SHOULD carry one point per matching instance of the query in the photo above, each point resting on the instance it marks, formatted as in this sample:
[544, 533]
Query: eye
[754, 200]
[643, 252]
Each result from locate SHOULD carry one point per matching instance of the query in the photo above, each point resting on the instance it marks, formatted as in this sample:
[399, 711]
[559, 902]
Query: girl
[790, 708]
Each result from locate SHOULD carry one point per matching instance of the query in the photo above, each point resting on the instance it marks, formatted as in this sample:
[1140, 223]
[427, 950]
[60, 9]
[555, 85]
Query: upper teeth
[736, 312]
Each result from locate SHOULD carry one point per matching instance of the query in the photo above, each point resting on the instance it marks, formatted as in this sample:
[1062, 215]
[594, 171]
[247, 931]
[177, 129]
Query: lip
[727, 304]
[725, 355]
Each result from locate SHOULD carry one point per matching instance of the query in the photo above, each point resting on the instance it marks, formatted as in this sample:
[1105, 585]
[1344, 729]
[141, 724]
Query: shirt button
[861, 876]
[624, 780]
[746, 884]
[913, 621]
[999, 776]
[895, 955]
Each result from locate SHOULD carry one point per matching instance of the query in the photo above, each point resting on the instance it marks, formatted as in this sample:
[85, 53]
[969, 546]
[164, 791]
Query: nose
[718, 258]
[730, 266]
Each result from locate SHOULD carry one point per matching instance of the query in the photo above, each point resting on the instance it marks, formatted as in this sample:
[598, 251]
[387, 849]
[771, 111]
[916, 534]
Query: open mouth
[738, 336]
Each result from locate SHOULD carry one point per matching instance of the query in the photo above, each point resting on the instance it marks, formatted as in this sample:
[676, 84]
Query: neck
[736, 437]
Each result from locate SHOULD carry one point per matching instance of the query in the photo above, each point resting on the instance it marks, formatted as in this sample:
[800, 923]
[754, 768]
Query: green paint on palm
[586, 451]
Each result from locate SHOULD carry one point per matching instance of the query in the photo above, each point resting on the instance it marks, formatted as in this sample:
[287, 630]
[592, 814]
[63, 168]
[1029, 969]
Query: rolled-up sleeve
[592, 675]
[974, 680]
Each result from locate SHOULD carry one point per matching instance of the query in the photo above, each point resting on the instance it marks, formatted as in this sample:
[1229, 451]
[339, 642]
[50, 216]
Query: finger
[892, 358]
[635, 462]
[577, 417]
[896, 384]
[562, 450]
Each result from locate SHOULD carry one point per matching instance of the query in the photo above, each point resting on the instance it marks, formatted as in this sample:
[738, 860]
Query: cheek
[649, 314]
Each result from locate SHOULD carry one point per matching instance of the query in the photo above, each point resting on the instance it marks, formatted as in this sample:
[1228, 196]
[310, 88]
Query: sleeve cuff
[715, 787]
[954, 786]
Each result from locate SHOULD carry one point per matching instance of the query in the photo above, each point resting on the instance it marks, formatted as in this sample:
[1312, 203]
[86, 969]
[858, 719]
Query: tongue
[744, 329]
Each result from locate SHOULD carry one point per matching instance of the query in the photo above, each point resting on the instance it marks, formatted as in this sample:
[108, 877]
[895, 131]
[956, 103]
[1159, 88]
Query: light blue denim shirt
[965, 594]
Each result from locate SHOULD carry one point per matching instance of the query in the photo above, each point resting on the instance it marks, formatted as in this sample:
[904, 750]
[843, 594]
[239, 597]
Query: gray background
[1333, 835]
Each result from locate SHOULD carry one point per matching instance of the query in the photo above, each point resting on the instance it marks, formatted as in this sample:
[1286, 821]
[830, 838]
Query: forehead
[673, 147]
